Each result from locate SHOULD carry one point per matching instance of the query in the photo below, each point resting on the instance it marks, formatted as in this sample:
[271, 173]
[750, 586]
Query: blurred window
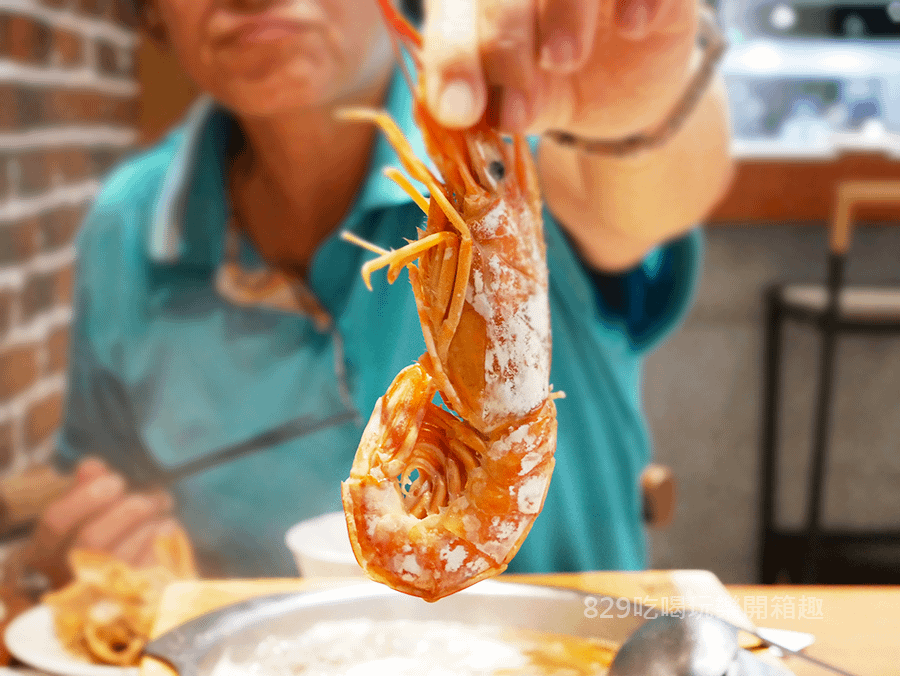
[881, 21]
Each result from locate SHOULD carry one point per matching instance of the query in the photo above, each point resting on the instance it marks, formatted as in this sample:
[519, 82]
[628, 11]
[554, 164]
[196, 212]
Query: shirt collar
[193, 208]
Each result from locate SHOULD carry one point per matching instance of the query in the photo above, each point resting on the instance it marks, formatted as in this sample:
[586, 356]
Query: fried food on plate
[106, 613]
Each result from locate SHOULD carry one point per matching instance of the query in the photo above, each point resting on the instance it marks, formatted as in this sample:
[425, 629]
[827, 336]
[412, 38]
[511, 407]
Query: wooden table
[855, 627]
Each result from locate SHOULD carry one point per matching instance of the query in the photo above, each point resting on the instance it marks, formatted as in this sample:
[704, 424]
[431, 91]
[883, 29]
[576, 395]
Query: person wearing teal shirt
[215, 300]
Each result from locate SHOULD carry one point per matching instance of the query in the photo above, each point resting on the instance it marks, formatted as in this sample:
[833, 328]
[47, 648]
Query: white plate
[32, 639]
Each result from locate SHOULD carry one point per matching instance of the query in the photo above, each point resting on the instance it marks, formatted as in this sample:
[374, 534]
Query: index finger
[78, 505]
[455, 90]
[567, 29]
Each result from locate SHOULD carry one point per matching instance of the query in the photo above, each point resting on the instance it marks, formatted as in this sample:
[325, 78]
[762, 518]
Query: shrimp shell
[441, 498]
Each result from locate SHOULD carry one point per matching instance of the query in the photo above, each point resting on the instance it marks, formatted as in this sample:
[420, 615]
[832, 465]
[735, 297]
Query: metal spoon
[670, 645]
[695, 644]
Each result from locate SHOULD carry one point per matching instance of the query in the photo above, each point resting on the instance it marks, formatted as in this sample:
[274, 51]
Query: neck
[294, 177]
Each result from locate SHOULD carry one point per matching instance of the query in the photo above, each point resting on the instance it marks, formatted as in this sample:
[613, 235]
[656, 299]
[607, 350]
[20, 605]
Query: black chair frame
[814, 553]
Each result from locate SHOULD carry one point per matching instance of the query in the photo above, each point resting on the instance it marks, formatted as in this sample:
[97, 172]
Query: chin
[279, 94]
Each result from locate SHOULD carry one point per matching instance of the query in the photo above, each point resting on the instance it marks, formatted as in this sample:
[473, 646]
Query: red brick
[65, 106]
[27, 40]
[62, 106]
[116, 111]
[47, 290]
[69, 48]
[94, 7]
[34, 173]
[127, 111]
[6, 306]
[18, 241]
[59, 227]
[112, 60]
[74, 106]
[19, 38]
[58, 349]
[7, 446]
[32, 107]
[4, 177]
[54, 160]
[43, 419]
[22, 107]
[107, 58]
[42, 45]
[69, 164]
[124, 12]
[39, 295]
[9, 107]
[18, 370]
[76, 164]
[4, 34]
[63, 283]
[104, 159]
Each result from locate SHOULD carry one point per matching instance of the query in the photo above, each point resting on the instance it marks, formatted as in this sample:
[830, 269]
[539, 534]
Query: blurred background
[815, 91]
[69, 110]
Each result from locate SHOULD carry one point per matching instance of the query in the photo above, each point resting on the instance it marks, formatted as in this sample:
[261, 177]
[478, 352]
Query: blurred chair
[814, 553]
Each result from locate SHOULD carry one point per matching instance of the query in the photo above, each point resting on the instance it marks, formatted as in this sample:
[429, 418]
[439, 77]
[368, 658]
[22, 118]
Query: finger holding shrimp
[507, 37]
[601, 68]
[454, 87]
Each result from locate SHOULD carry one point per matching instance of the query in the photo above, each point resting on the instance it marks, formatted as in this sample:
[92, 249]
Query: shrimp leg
[448, 317]
[394, 174]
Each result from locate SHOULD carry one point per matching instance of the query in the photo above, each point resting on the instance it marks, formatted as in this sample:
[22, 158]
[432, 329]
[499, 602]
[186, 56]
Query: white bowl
[321, 547]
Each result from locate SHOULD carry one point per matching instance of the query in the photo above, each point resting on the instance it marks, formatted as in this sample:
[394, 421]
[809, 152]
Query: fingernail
[633, 19]
[106, 486]
[515, 110]
[456, 105]
[560, 52]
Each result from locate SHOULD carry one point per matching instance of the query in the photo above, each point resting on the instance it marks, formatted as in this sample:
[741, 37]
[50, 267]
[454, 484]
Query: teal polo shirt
[164, 367]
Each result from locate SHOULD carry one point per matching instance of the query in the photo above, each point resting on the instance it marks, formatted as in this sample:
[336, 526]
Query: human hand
[602, 69]
[98, 512]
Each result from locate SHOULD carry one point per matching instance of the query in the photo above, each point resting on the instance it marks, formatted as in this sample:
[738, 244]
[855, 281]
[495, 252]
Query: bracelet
[713, 44]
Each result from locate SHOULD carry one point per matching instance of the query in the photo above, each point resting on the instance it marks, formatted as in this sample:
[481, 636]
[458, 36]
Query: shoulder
[112, 244]
[129, 192]
[112, 241]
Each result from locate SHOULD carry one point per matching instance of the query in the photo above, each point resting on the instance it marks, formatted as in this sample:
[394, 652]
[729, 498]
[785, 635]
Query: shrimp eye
[497, 170]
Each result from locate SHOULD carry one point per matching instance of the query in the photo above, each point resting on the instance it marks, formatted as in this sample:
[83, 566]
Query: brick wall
[68, 110]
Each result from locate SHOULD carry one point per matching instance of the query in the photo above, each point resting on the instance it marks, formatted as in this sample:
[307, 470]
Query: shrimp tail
[464, 518]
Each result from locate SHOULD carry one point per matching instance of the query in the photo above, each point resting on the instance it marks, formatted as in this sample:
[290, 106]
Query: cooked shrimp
[439, 499]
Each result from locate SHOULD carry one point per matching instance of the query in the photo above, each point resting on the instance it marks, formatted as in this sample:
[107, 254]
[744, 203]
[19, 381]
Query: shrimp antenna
[399, 24]
[402, 30]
